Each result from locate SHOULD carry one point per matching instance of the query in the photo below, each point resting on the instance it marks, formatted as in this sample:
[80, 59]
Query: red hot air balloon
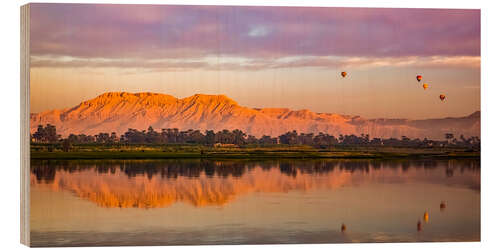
[442, 206]
[419, 78]
[442, 97]
[343, 74]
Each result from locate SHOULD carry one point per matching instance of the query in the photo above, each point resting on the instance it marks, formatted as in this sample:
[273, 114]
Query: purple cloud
[167, 31]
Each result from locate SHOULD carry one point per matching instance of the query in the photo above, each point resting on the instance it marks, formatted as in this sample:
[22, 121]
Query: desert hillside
[119, 111]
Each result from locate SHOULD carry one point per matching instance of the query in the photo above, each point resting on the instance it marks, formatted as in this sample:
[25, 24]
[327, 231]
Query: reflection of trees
[160, 183]
[45, 170]
[454, 165]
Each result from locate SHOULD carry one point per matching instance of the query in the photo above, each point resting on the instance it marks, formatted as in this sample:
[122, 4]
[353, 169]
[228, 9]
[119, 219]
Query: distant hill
[118, 111]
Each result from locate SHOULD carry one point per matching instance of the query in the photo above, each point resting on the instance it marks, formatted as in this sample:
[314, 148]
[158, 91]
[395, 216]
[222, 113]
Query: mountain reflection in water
[160, 183]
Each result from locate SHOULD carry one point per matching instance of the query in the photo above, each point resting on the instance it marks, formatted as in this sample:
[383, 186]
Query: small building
[225, 145]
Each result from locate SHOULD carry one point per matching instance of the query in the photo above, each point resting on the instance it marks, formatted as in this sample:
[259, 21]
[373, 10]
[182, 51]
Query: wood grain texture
[25, 136]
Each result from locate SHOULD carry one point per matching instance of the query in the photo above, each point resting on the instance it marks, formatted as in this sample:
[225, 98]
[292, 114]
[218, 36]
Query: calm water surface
[179, 202]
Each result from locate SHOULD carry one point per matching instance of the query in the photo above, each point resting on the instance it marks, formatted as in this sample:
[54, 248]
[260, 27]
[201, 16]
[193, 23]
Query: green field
[44, 151]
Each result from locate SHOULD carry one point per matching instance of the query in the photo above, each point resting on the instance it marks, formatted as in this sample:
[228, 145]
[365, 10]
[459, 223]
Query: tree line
[48, 134]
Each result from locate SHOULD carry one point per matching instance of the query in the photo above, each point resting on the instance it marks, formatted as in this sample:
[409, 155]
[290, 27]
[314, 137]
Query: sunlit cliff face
[120, 111]
[119, 190]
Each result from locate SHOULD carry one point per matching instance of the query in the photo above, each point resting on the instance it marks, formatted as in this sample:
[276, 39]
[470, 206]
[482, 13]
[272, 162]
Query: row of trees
[238, 137]
[45, 134]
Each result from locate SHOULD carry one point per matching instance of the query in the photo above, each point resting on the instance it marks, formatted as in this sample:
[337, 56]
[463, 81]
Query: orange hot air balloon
[442, 97]
[343, 74]
[426, 216]
[425, 86]
[419, 78]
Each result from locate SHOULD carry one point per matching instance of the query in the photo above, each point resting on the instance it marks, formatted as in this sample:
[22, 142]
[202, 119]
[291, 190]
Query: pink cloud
[148, 32]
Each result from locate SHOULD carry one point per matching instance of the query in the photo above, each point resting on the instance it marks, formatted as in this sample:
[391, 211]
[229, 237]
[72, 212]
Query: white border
[490, 43]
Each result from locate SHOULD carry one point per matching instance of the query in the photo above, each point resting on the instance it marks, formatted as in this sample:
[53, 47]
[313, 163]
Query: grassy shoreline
[299, 152]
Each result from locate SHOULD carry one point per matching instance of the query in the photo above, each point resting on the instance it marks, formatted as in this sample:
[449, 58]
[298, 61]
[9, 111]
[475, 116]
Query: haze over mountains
[119, 111]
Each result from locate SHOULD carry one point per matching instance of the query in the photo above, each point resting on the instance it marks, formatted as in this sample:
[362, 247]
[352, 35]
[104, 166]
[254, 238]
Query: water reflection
[155, 183]
[178, 202]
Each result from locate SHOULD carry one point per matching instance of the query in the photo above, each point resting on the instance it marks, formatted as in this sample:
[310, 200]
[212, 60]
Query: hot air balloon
[425, 86]
[343, 74]
[419, 226]
[426, 216]
[343, 227]
[442, 206]
[419, 77]
[442, 97]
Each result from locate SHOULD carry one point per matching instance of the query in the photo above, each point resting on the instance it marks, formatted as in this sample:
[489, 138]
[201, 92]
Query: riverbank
[293, 152]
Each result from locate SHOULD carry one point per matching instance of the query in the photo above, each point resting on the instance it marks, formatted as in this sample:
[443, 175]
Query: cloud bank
[167, 37]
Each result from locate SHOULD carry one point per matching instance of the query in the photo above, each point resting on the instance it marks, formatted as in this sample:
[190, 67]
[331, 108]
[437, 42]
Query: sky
[261, 56]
